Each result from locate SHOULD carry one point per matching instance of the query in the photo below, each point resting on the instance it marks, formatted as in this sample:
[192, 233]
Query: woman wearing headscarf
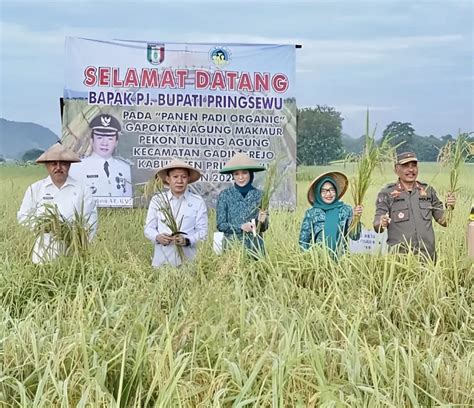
[327, 222]
[238, 212]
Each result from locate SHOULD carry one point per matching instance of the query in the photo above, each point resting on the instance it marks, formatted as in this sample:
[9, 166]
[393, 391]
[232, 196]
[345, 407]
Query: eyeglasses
[325, 191]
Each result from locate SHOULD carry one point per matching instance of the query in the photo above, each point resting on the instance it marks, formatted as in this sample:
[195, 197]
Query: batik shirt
[233, 210]
[313, 226]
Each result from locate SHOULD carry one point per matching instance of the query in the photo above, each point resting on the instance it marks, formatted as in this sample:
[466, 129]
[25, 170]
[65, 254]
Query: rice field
[292, 330]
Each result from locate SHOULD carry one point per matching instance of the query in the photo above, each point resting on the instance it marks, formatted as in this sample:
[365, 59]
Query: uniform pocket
[400, 212]
[189, 218]
[426, 209]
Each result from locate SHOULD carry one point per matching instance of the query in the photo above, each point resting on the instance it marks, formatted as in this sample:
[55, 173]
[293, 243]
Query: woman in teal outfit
[327, 222]
[238, 212]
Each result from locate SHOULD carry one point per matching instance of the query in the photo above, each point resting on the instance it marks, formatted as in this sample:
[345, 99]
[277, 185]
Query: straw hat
[58, 152]
[340, 179]
[241, 161]
[194, 175]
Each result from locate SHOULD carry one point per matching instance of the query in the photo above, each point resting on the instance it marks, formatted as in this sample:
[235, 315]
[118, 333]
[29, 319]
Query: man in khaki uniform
[406, 208]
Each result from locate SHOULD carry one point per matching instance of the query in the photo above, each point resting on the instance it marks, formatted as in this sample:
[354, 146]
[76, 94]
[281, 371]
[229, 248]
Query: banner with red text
[138, 104]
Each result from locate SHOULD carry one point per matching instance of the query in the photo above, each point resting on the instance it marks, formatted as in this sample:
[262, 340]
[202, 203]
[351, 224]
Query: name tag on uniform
[424, 198]
[48, 198]
[92, 175]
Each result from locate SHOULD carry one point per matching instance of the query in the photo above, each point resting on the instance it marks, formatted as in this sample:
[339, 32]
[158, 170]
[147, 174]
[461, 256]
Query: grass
[291, 330]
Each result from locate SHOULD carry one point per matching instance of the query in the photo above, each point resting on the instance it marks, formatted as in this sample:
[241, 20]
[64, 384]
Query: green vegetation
[292, 330]
[31, 155]
[319, 135]
[320, 140]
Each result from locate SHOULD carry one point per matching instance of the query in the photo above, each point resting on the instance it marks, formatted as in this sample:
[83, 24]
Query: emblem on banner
[155, 53]
[219, 56]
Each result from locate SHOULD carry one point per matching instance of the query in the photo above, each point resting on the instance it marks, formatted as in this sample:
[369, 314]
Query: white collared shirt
[90, 171]
[191, 208]
[71, 196]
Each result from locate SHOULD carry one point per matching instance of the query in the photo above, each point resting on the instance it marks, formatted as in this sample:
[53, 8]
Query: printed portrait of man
[104, 174]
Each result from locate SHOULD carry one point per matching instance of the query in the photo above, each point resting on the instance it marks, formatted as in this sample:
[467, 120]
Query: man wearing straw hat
[188, 211]
[59, 191]
[406, 208]
[105, 175]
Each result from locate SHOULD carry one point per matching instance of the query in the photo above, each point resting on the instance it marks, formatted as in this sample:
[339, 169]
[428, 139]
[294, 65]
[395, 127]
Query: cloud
[356, 52]
[328, 52]
[355, 109]
[19, 41]
[18, 34]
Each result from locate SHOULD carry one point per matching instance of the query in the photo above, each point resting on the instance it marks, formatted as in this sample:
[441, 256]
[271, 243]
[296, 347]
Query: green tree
[402, 134]
[319, 135]
[32, 154]
[447, 138]
[427, 148]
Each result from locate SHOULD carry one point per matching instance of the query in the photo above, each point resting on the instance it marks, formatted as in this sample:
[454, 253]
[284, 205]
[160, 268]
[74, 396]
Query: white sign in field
[370, 243]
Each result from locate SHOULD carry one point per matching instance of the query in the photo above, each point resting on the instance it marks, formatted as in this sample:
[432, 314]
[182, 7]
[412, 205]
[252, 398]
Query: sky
[404, 60]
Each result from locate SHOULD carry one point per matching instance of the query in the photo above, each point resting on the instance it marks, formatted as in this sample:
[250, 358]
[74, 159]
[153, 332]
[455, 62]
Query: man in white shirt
[59, 191]
[188, 208]
[105, 175]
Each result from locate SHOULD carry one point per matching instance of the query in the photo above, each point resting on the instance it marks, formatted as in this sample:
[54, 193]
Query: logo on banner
[155, 53]
[219, 56]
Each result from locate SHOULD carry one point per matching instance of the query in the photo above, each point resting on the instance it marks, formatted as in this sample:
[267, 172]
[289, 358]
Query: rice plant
[452, 156]
[169, 218]
[373, 156]
[70, 236]
[293, 329]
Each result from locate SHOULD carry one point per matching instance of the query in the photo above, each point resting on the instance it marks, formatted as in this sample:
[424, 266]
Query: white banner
[138, 104]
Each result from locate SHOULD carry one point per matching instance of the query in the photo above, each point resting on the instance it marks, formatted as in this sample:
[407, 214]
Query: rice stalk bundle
[372, 156]
[453, 155]
[73, 234]
[169, 218]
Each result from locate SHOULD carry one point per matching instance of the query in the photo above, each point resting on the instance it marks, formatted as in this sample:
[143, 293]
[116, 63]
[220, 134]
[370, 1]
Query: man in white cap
[105, 175]
[60, 191]
[189, 210]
